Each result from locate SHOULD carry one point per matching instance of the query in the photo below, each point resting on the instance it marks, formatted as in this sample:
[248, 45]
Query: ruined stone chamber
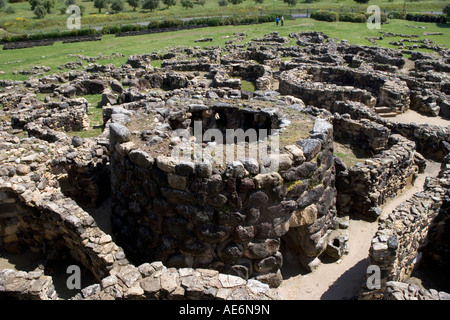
[321, 85]
[232, 216]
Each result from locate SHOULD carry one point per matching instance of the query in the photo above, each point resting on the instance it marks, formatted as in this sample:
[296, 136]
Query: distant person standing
[277, 20]
[282, 20]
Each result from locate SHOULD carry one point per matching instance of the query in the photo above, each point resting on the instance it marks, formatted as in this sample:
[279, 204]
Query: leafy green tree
[49, 5]
[362, 1]
[70, 2]
[100, 4]
[187, 4]
[446, 10]
[117, 5]
[223, 3]
[34, 3]
[291, 3]
[134, 4]
[169, 3]
[236, 1]
[40, 11]
[150, 4]
[201, 2]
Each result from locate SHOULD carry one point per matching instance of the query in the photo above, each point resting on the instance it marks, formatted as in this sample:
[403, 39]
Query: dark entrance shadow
[291, 269]
[26, 261]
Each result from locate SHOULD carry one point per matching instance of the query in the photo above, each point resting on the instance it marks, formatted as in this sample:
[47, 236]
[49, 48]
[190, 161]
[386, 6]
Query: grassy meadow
[58, 54]
[23, 19]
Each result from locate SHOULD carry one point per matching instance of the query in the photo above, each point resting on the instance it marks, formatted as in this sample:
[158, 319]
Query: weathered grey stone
[259, 250]
[141, 158]
[176, 181]
[310, 147]
[267, 180]
[185, 168]
[204, 170]
[166, 164]
[77, 141]
[119, 133]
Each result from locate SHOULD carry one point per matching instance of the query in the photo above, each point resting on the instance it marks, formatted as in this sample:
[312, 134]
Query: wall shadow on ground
[346, 287]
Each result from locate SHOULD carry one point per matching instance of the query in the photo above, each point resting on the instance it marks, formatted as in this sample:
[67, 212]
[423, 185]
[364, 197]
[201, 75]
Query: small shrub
[352, 17]
[223, 3]
[9, 10]
[187, 4]
[150, 4]
[154, 24]
[40, 11]
[110, 29]
[170, 23]
[322, 15]
[213, 22]
[446, 11]
[397, 15]
[426, 17]
[129, 27]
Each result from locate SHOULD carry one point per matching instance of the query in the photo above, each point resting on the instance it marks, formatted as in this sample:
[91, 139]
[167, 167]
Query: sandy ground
[413, 116]
[342, 279]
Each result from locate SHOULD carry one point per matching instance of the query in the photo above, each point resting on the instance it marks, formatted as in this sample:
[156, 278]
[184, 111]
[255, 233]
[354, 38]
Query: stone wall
[83, 170]
[396, 290]
[154, 281]
[366, 186]
[321, 95]
[431, 141]
[43, 226]
[322, 85]
[365, 134]
[23, 285]
[36, 216]
[401, 235]
[435, 250]
[188, 214]
[68, 116]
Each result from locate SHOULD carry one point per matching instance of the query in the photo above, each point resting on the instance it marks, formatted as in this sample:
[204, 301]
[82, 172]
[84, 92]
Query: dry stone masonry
[182, 224]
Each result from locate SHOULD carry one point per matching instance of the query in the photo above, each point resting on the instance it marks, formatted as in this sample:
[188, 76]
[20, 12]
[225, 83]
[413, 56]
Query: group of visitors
[278, 20]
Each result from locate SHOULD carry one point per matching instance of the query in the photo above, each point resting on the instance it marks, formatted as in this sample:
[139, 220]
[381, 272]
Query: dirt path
[342, 279]
[413, 116]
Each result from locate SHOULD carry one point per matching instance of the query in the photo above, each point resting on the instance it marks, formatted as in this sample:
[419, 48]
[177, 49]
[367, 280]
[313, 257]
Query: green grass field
[58, 54]
[24, 21]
